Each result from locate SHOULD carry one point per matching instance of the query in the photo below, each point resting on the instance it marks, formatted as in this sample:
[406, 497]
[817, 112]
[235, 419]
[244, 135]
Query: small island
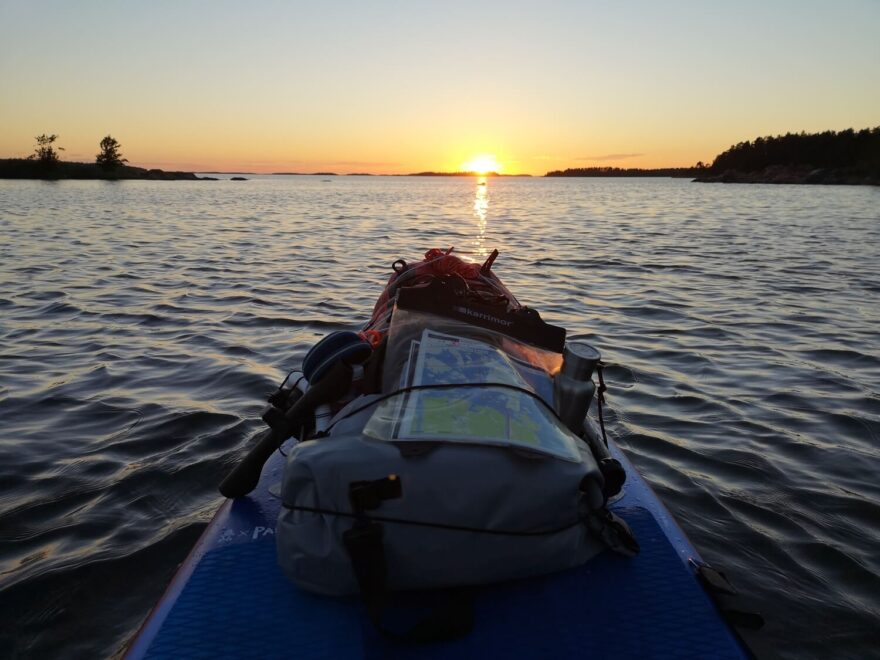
[22, 168]
[109, 165]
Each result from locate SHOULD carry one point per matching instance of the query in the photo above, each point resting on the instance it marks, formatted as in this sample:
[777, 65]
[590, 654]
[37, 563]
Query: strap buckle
[367, 495]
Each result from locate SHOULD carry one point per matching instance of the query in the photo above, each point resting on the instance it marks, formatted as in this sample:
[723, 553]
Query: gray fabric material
[474, 486]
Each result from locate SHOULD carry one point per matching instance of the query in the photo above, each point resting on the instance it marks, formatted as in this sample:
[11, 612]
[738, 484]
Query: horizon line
[422, 173]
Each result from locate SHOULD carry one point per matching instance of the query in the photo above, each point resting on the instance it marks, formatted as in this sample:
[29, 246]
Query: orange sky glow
[397, 88]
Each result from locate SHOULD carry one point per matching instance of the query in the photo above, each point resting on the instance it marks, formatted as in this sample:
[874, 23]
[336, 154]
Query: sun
[482, 164]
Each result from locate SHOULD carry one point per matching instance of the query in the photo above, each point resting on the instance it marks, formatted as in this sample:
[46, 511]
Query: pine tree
[110, 156]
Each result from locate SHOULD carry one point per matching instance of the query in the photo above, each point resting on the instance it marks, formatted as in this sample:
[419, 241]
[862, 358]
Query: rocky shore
[771, 174]
[801, 175]
[22, 168]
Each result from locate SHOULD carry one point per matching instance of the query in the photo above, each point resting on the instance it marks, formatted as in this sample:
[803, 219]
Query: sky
[397, 87]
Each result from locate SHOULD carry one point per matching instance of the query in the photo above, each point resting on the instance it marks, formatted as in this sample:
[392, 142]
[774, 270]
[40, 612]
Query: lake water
[141, 323]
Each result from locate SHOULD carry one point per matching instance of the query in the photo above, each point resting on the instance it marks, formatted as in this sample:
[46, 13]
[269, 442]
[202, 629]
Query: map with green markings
[484, 415]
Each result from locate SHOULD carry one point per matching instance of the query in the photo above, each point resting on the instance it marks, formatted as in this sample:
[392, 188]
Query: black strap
[439, 297]
[437, 525]
[373, 367]
[452, 619]
[600, 399]
[363, 542]
[613, 531]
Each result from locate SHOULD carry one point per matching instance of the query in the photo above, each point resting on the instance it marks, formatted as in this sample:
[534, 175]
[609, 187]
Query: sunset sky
[392, 87]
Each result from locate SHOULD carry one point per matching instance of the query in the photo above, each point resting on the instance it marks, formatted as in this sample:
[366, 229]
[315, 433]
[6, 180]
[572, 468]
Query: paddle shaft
[244, 477]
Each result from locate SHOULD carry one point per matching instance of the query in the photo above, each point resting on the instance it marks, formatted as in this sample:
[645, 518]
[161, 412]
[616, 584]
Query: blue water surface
[141, 323]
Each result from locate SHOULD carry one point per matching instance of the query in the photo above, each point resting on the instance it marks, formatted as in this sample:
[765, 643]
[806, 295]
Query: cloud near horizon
[610, 157]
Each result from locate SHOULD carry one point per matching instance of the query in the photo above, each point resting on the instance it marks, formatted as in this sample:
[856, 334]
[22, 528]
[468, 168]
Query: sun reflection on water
[481, 213]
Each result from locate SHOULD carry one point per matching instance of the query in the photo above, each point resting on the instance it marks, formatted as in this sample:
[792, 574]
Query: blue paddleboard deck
[231, 600]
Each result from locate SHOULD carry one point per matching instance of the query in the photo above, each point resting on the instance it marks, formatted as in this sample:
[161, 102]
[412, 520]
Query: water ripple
[142, 322]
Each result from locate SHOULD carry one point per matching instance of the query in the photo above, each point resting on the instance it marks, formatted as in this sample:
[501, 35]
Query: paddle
[244, 477]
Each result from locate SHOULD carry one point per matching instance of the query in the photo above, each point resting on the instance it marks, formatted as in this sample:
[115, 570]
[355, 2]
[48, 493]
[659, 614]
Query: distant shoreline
[605, 172]
[24, 168]
[491, 174]
[775, 174]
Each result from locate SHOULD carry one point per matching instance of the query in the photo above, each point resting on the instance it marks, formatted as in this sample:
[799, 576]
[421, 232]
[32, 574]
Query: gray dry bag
[457, 473]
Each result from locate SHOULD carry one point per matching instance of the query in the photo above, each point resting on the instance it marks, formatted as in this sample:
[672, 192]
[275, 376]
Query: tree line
[829, 149]
[849, 151]
[47, 153]
[696, 170]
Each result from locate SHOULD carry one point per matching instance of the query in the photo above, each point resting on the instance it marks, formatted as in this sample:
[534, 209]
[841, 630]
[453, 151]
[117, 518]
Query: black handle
[613, 474]
[245, 476]
[600, 451]
[333, 385]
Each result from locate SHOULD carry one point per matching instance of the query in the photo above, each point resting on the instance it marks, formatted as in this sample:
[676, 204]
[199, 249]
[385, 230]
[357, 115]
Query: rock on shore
[796, 174]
